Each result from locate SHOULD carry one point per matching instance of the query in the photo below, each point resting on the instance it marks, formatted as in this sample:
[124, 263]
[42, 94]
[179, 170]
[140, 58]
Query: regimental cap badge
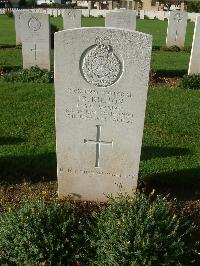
[34, 24]
[99, 64]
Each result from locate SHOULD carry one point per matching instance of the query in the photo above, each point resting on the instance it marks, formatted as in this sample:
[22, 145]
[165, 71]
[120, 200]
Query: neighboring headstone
[141, 14]
[182, 6]
[123, 19]
[176, 30]
[71, 19]
[110, 4]
[35, 40]
[17, 15]
[194, 66]
[101, 82]
[160, 15]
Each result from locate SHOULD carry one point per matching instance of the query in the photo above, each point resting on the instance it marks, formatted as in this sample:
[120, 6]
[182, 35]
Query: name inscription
[100, 105]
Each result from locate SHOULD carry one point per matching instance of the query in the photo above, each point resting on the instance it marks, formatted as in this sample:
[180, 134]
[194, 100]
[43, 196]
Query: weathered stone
[123, 19]
[101, 81]
[176, 30]
[194, 66]
[17, 15]
[71, 19]
[35, 40]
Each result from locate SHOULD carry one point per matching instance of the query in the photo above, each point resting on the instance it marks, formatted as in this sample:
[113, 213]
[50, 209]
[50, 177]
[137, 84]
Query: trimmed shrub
[33, 74]
[138, 232]
[42, 234]
[128, 231]
[190, 82]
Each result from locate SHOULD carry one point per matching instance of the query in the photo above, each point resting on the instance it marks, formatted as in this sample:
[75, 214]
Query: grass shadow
[33, 168]
[11, 140]
[170, 72]
[183, 184]
[150, 152]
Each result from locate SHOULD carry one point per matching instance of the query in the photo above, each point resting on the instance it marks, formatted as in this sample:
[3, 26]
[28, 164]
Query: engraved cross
[35, 50]
[98, 143]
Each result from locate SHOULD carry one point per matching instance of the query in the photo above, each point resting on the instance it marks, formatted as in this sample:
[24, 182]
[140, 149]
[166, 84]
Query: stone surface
[176, 30]
[141, 14]
[101, 81]
[194, 66]
[71, 19]
[124, 19]
[35, 40]
[17, 15]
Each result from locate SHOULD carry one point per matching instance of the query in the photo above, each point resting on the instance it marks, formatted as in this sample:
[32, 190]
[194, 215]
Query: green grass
[156, 28]
[168, 62]
[11, 57]
[170, 152]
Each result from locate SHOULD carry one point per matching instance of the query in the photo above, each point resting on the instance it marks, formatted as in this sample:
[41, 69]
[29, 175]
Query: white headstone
[160, 15]
[101, 81]
[124, 19]
[17, 15]
[176, 30]
[35, 40]
[194, 66]
[71, 19]
[141, 14]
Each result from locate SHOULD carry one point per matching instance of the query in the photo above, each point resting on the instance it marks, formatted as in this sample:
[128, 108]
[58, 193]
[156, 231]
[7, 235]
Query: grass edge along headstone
[194, 64]
[71, 18]
[121, 19]
[176, 30]
[101, 83]
[36, 44]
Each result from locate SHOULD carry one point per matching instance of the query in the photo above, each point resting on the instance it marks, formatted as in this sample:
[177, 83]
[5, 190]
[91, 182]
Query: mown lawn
[176, 62]
[170, 151]
[156, 28]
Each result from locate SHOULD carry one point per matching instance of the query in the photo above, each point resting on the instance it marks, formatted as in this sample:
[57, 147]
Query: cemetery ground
[170, 152]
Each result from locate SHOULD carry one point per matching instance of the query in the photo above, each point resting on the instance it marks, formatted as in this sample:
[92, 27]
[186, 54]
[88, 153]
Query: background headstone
[71, 19]
[17, 15]
[101, 81]
[141, 14]
[176, 30]
[35, 40]
[124, 19]
[194, 66]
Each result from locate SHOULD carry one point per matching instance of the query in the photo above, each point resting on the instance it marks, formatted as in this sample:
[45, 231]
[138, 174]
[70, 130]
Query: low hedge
[126, 231]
